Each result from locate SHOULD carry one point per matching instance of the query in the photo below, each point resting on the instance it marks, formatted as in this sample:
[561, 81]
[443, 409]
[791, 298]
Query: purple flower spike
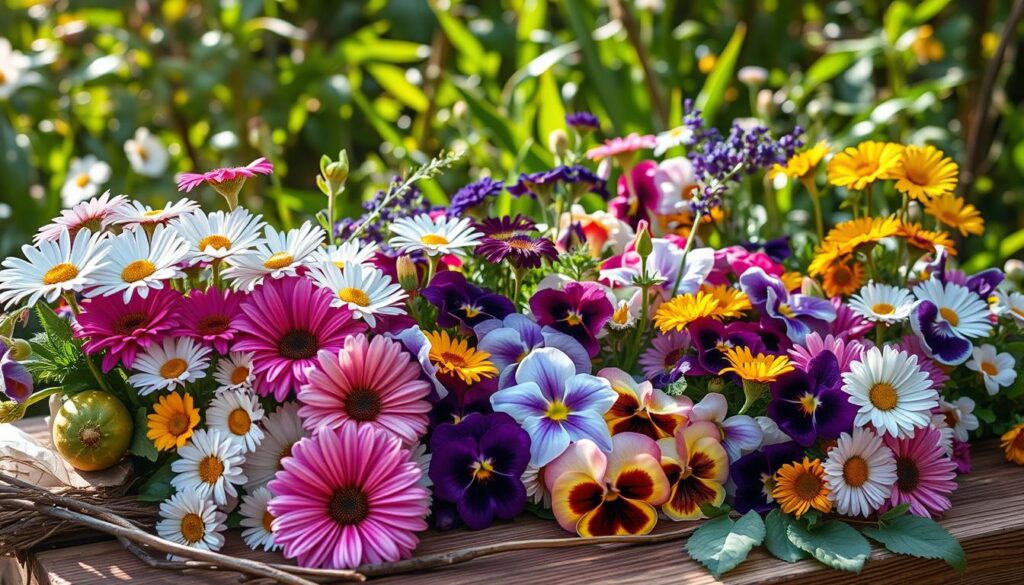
[808, 406]
[461, 303]
[801, 314]
[580, 311]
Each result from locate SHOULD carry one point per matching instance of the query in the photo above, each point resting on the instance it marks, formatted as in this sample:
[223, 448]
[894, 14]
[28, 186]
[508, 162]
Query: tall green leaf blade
[552, 112]
[713, 93]
[392, 78]
[578, 14]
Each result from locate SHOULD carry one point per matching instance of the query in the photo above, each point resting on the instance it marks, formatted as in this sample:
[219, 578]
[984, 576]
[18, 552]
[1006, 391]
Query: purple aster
[477, 464]
[510, 239]
[15, 381]
[474, 194]
[753, 475]
[583, 121]
[580, 311]
[461, 303]
[710, 338]
[810, 405]
[801, 314]
[645, 199]
[505, 227]
[665, 353]
[542, 183]
[510, 340]
[555, 405]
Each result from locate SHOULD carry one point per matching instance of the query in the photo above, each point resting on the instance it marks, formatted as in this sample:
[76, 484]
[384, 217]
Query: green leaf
[827, 67]
[711, 95]
[894, 513]
[552, 112]
[777, 538]
[896, 21]
[158, 487]
[141, 445]
[919, 537]
[924, 11]
[721, 544]
[57, 328]
[392, 78]
[834, 543]
[712, 511]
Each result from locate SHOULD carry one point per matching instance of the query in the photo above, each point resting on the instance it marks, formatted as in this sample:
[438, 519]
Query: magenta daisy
[211, 317]
[848, 324]
[227, 181]
[125, 329]
[622, 145]
[924, 473]
[845, 350]
[346, 497]
[664, 353]
[285, 322]
[96, 215]
[368, 383]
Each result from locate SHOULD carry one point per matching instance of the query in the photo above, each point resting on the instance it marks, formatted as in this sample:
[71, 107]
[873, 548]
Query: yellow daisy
[1013, 444]
[732, 302]
[173, 422]
[825, 255]
[800, 486]
[859, 166]
[802, 164]
[924, 172]
[951, 210]
[927, 240]
[453, 355]
[792, 280]
[684, 309]
[763, 368]
[852, 234]
[843, 279]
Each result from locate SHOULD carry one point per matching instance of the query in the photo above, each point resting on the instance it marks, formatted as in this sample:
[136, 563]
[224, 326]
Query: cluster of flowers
[606, 365]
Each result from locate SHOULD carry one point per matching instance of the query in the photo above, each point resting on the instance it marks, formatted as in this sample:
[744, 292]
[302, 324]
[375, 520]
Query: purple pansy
[510, 340]
[808, 406]
[645, 198]
[710, 338]
[984, 283]
[664, 263]
[555, 405]
[542, 183]
[477, 465]
[801, 314]
[753, 475]
[461, 303]
[15, 381]
[580, 311]
[474, 194]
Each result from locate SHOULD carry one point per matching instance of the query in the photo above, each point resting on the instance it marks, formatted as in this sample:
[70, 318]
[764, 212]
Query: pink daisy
[622, 145]
[664, 353]
[95, 214]
[285, 322]
[227, 175]
[845, 350]
[211, 317]
[124, 329]
[924, 473]
[848, 324]
[346, 497]
[912, 345]
[367, 383]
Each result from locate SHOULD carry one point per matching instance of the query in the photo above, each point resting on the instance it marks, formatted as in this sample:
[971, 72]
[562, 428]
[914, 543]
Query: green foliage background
[394, 81]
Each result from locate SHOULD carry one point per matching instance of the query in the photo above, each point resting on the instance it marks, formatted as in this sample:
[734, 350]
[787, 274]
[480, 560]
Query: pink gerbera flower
[285, 322]
[95, 214]
[227, 181]
[924, 473]
[368, 383]
[622, 145]
[346, 497]
[211, 317]
[848, 324]
[845, 350]
[664, 353]
[912, 345]
[124, 329]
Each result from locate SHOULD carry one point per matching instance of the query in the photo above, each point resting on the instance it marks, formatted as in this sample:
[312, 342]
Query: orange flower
[800, 486]
[1013, 444]
[843, 279]
[927, 240]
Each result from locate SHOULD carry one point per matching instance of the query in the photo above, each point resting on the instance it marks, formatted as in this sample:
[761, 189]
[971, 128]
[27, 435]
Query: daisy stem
[432, 262]
[879, 333]
[815, 201]
[216, 274]
[697, 218]
[77, 310]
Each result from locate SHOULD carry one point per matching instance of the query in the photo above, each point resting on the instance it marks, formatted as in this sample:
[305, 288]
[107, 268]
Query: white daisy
[192, 520]
[218, 235]
[882, 303]
[96, 215]
[860, 472]
[257, 522]
[281, 429]
[419, 454]
[84, 179]
[210, 465]
[138, 214]
[234, 372]
[146, 153]
[135, 264]
[52, 268]
[1011, 305]
[433, 236]
[365, 290]
[996, 369]
[236, 415]
[169, 365]
[678, 136]
[536, 491]
[350, 252]
[940, 424]
[959, 415]
[891, 391]
[961, 312]
[13, 67]
[278, 255]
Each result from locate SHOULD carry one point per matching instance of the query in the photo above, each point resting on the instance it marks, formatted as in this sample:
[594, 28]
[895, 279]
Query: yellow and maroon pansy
[697, 467]
[594, 494]
[641, 408]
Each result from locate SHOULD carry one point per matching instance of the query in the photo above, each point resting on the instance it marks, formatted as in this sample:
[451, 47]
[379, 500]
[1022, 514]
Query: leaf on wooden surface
[721, 544]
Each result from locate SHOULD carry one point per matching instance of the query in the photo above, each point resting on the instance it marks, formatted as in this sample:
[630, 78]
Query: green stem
[216, 274]
[818, 221]
[879, 334]
[433, 261]
[42, 394]
[686, 250]
[77, 310]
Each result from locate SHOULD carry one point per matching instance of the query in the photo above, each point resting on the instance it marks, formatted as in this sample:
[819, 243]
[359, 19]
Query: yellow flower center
[340, 264]
[471, 311]
[621, 315]
[883, 396]
[136, 271]
[809, 404]
[278, 260]
[239, 421]
[239, 374]
[434, 240]
[573, 319]
[950, 316]
[786, 310]
[855, 471]
[482, 470]
[268, 520]
[989, 368]
[353, 295]
[177, 424]
[173, 368]
[883, 309]
[215, 241]
[210, 469]
[193, 529]
[82, 180]
[864, 168]
[153, 212]
[62, 272]
[142, 152]
[557, 411]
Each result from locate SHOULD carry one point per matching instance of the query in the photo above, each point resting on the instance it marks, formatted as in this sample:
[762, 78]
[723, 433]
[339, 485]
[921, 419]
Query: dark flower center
[348, 505]
[362, 404]
[213, 325]
[127, 324]
[807, 486]
[297, 344]
[907, 474]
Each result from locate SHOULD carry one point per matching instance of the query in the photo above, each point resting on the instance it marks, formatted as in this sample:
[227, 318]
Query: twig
[619, 12]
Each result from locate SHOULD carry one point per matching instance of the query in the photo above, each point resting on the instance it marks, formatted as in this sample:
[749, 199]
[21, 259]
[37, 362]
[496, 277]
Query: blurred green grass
[394, 81]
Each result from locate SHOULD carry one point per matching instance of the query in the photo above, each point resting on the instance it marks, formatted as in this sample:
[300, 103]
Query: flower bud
[558, 143]
[337, 171]
[408, 277]
[1014, 269]
[20, 350]
[642, 242]
[753, 76]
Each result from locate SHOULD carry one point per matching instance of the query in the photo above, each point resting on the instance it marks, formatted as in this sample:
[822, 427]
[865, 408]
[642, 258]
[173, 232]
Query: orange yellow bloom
[684, 309]
[732, 302]
[927, 240]
[802, 164]
[950, 210]
[857, 167]
[843, 278]
[800, 486]
[453, 355]
[826, 255]
[864, 231]
[173, 421]
[763, 368]
[1013, 444]
[924, 172]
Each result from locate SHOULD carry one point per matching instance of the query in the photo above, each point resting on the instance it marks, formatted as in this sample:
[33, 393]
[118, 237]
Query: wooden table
[987, 517]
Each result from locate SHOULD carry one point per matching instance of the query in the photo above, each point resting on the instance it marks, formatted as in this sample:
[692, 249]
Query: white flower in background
[257, 522]
[997, 369]
[84, 179]
[860, 471]
[678, 136]
[278, 255]
[135, 264]
[235, 414]
[365, 290]
[146, 153]
[959, 416]
[52, 268]
[891, 391]
[676, 180]
[218, 235]
[418, 453]
[188, 518]
[536, 491]
[234, 372]
[882, 303]
[169, 365]
[1011, 305]
[281, 429]
[628, 309]
[940, 424]
[752, 75]
[13, 66]
[433, 236]
[96, 215]
[138, 214]
[356, 251]
[210, 465]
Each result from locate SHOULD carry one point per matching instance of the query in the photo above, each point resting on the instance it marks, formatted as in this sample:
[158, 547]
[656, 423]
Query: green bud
[11, 411]
[20, 349]
[558, 143]
[408, 278]
[643, 244]
[752, 392]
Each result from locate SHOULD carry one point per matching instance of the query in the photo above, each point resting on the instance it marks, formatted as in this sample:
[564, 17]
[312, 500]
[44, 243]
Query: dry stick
[621, 13]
